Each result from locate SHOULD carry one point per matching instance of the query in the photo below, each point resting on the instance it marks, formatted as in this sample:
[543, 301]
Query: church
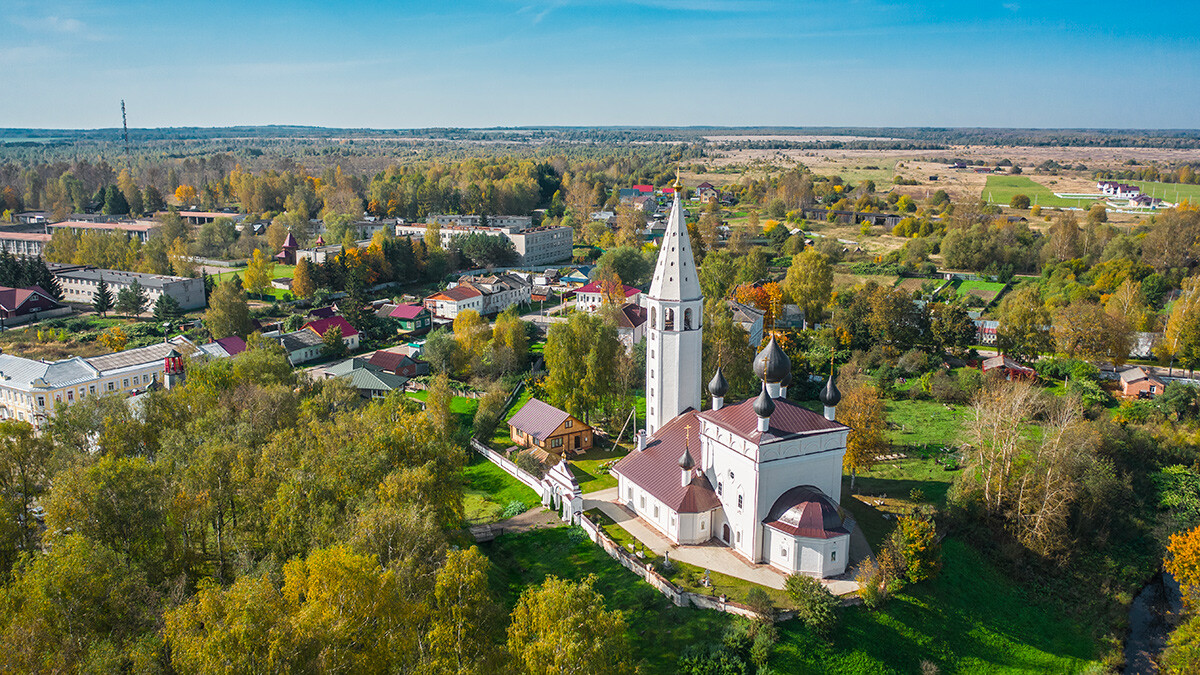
[762, 476]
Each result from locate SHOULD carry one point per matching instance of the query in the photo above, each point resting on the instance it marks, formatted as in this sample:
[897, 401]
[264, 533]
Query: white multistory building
[761, 476]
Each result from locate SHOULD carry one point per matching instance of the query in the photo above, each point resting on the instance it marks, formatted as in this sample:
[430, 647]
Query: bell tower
[673, 342]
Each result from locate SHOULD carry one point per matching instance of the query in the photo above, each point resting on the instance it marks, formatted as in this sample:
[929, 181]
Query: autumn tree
[24, 475]
[438, 407]
[472, 333]
[1025, 324]
[1181, 338]
[563, 627]
[809, 283]
[915, 540]
[579, 356]
[862, 410]
[332, 344]
[185, 195]
[510, 342]
[114, 338]
[1084, 330]
[302, 282]
[461, 635]
[259, 272]
[228, 313]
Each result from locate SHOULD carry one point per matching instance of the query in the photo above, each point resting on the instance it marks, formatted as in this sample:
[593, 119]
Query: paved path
[712, 555]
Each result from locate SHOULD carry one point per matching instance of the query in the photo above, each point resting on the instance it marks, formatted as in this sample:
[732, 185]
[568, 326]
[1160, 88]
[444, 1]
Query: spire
[675, 275]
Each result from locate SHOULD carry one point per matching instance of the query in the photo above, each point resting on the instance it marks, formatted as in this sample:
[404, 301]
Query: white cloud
[49, 24]
[1011, 6]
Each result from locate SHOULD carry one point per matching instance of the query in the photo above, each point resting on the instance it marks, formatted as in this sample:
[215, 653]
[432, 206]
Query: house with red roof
[540, 425]
[32, 303]
[446, 305]
[412, 318]
[398, 364]
[323, 326]
[591, 297]
[631, 325]
[644, 189]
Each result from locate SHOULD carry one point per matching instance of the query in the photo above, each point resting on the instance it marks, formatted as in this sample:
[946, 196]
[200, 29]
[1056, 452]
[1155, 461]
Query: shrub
[1088, 391]
[515, 508]
[915, 540]
[944, 388]
[816, 607]
[1020, 202]
[914, 362]
[758, 600]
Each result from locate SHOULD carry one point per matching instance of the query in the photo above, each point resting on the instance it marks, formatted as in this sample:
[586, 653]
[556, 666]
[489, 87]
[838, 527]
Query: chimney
[641, 440]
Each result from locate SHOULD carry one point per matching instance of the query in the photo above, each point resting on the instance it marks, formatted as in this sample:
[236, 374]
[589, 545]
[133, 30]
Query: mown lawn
[463, 408]
[587, 467]
[489, 490]
[1001, 190]
[968, 620]
[658, 630]
[279, 272]
[1171, 192]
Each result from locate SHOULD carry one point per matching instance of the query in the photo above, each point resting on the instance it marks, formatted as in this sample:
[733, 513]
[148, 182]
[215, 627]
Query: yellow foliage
[114, 338]
[1183, 562]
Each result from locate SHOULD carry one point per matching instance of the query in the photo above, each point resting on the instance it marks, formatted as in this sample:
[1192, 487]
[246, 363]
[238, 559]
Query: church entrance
[725, 533]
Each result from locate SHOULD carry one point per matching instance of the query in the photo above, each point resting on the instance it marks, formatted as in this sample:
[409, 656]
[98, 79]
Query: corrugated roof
[788, 420]
[300, 339]
[372, 380]
[457, 294]
[538, 419]
[631, 316]
[320, 326]
[138, 356]
[69, 371]
[407, 311]
[656, 469]
[19, 371]
[1136, 375]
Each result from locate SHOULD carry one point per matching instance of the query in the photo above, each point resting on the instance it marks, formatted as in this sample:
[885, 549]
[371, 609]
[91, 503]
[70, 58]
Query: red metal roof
[631, 316]
[594, 287]
[787, 420]
[407, 311]
[656, 469]
[233, 345]
[389, 361]
[457, 294]
[538, 419]
[11, 299]
[644, 188]
[321, 325]
[805, 511]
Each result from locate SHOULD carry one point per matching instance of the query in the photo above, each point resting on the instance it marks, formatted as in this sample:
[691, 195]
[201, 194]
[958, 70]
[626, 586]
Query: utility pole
[124, 128]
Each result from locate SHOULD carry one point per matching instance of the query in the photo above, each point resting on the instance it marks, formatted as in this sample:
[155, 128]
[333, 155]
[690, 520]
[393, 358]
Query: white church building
[761, 476]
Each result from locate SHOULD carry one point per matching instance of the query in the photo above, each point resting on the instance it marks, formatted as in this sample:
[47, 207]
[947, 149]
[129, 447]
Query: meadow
[1001, 190]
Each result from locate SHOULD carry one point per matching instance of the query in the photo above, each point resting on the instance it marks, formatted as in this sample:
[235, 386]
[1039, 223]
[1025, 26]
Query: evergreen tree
[115, 203]
[103, 301]
[132, 299]
[209, 284]
[167, 308]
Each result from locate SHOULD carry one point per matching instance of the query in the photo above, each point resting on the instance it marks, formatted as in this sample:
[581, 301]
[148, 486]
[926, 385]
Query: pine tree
[103, 301]
[132, 299]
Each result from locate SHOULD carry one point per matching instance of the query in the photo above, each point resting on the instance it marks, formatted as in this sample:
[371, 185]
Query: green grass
[279, 272]
[1171, 192]
[985, 290]
[488, 490]
[658, 630]
[586, 467]
[968, 620]
[462, 407]
[1001, 190]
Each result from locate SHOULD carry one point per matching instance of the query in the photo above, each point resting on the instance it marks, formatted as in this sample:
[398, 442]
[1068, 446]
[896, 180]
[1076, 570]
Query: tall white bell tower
[676, 308]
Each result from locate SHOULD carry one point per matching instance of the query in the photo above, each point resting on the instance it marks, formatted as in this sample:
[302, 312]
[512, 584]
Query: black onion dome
[771, 364]
[763, 405]
[830, 394]
[685, 460]
[787, 379]
[717, 386]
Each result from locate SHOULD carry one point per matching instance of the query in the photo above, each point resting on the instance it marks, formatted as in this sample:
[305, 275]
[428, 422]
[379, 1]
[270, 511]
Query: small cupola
[718, 387]
[763, 407]
[830, 396]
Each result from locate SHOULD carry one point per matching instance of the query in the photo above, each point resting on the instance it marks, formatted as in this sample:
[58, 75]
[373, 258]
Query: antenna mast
[124, 127]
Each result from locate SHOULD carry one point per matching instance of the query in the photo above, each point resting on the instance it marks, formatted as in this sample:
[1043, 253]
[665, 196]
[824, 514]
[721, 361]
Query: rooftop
[656, 469]
[538, 419]
[787, 421]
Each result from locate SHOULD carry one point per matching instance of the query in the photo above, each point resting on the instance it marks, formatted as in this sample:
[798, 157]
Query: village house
[300, 346]
[370, 380]
[499, 291]
[749, 318]
[397, 363]
[631, 325]
[323, 326]
[541, 425]
[591, 297]
[412, 318]
[446, 305]
[1139, 383]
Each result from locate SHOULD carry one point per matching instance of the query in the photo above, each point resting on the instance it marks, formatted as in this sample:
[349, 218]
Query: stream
[1149, 624]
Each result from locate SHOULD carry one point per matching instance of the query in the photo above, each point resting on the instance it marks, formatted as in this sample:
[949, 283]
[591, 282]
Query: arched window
[653, 318]
[687, 319]
[669, 319]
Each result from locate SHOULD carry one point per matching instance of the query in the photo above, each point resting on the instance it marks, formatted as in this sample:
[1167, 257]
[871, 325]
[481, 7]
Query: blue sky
[67, 63]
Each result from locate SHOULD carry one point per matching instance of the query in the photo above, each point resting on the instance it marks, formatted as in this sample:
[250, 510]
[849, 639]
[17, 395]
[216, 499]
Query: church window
[720, 488]
[643, 501]
[669, 319]
[739, 500]
[783, 552]
[653, 320]
[630, 494]
[687, 319]
[833, 554]
[739, 536]
[656, 511]
[672, 521]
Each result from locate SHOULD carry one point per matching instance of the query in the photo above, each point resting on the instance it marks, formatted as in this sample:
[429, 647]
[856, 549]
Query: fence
[674, 593]
[414, 385]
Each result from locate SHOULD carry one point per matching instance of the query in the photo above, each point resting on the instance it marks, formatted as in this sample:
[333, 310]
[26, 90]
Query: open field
[488, 490]
[1171, 192]
[1001, 190]
[280, 271]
